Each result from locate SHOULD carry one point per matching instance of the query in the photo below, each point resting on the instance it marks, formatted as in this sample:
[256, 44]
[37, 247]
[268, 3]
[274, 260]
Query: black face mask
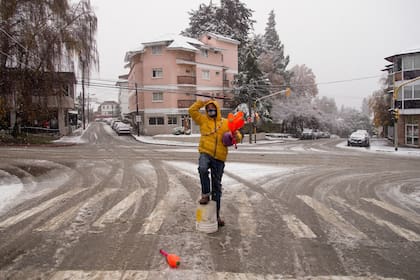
[212, 113]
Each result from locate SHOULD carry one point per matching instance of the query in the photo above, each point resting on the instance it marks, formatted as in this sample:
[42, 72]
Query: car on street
[180, 130]
[308, 134]
[359, 138]
[123, 128]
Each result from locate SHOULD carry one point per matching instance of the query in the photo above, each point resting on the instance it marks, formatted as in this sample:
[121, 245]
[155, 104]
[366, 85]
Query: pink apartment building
[166, 75]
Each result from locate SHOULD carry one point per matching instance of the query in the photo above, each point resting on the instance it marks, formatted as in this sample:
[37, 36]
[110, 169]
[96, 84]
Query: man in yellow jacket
[213, 150]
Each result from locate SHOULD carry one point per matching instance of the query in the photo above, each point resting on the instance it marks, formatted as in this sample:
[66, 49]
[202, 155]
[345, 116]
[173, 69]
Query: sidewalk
[383, 145]
[377, 145]
[193, 139]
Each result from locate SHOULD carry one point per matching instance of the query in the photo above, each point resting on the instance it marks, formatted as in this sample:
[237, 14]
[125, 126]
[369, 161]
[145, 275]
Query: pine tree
[272, 59]
[232, 19]
[201, 21]
[252, 83]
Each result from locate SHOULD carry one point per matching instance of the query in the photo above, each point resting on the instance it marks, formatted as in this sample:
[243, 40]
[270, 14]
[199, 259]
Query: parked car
[123, 128]
[359, 138]
[308, 134]
[325, 134]
[180, 130]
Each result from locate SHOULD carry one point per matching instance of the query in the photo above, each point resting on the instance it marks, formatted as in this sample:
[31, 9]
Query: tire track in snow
[37, 209]
[333, 217]
[71, 213]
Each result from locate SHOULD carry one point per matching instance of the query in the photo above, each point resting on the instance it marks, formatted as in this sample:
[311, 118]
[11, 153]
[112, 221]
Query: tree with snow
[232, 19]
[298, 111]
[303, 81]
[202, 20]
[252, 84]
[272, 60]
[39, 37]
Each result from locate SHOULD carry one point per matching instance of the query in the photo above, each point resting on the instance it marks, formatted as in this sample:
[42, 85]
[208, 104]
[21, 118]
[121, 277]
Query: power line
[15, 60]
[349, 80]
[273, 87]
[11, 37]
[17, 42]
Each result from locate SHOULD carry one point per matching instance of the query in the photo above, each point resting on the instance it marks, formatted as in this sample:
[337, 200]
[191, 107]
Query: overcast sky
[339, 40]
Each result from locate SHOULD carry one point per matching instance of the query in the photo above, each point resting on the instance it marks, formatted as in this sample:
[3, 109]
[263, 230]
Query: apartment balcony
[187, 80]
[398, 76]
[406, 75]
[185, 103]
[411, 74]
[185, 59]
[408, 104]
[54, 101]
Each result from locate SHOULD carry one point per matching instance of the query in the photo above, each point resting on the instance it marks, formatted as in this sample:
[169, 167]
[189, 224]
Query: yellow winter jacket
[211, 130]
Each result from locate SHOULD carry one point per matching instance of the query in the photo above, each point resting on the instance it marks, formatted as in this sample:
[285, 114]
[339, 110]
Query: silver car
[359, 138]
[123, 128]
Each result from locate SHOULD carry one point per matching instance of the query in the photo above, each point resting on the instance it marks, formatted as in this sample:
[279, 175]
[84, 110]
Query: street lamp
[394, 98]
[286, 91]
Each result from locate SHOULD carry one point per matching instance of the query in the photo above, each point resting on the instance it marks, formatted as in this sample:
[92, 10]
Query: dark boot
[220, 222]
[204, 199]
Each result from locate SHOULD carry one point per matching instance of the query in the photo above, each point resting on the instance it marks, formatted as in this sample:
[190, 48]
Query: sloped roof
[176, 42]
[404, 52]
[130, 54]
[222, 38]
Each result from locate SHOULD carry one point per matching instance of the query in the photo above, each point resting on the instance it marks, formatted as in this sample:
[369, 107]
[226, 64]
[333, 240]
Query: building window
[172, 120]
[411, 62]
[398, 64]
[205, 74]
[157, 97]
[412, 134]
[156, 121]
[157, 73]
[416, 91]
[65, 90]
[410, 92]
[204, 53]
[407, 91]
[156, 50]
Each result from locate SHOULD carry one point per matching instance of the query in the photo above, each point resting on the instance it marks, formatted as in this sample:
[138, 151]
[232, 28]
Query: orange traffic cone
[172, 259]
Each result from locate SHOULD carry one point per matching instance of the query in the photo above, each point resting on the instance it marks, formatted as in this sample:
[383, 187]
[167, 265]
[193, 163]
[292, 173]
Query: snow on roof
[177, 40]
[404, 52]
[179, 43]
[129, 54]
[222, 38]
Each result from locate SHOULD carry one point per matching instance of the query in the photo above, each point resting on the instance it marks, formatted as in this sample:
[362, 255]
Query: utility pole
[250, 116]
[137, 112]
[254, 123]
[83, 95]
[88, 108]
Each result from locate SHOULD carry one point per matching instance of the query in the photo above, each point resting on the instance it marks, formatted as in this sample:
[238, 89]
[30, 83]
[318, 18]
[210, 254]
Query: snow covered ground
[10, 186]
[378, 145]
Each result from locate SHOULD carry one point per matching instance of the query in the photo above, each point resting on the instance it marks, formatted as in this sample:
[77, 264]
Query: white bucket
[206, 217]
